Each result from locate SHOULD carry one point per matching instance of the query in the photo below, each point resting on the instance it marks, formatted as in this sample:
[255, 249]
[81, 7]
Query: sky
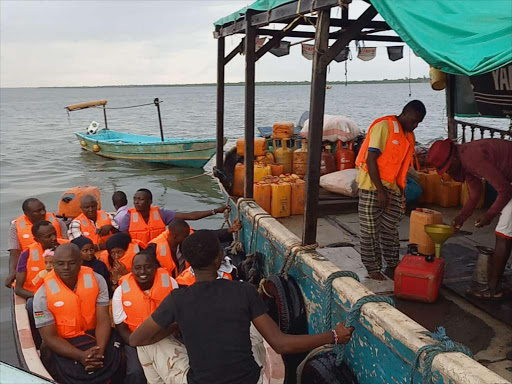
[93, 43]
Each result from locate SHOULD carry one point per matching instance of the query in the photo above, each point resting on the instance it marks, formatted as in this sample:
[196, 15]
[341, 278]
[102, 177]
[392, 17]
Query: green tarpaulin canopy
[259, 5]
[461, 37]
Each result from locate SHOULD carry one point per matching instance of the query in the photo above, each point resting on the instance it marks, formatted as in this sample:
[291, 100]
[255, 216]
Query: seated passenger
[188, 277]
[92, 223]
[138, 295]
[89, 260]
[144, 222]
[214, 317]
[20, 232]
[118, 257]
[167, 247]
[48, 264]
[31, 261]
[121, 206]
[72, 314]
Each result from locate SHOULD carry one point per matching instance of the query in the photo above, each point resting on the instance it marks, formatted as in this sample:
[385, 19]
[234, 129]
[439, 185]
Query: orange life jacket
[395, 160]
[35, 264]
[164, 254]
[74, 311]
[24, 229]
[187, 277]
[127, 259]
[137, 305]
[143, 231]
[88, 228]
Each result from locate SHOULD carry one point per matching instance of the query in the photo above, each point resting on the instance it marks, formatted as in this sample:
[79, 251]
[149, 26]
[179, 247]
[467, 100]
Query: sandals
[485, 294]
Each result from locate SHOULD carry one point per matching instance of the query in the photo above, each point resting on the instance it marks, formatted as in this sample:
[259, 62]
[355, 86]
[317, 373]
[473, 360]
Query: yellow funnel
[439, 233]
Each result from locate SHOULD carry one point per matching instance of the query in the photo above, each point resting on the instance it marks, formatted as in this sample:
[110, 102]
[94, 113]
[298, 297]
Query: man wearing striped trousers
[384, 160]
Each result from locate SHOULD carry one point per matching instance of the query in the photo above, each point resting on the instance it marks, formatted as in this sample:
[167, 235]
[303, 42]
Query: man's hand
[237, 225]
[344, 333]
[10, 279]
[482, 221]
[105, 230]
[222, 209]
[383, 198]
[91, 359]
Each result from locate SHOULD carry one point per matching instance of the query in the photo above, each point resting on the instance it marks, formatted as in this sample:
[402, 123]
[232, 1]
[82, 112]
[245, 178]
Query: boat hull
[189, 153]
[385, 340]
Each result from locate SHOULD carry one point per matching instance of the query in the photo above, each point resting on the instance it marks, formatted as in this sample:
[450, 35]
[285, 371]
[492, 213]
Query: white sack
[341, 182]
[335, 128]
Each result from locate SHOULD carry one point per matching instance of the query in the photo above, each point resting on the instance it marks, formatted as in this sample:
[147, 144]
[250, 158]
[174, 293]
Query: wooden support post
[220, 103]
[250, 60]
[316, 123]
[450, 106]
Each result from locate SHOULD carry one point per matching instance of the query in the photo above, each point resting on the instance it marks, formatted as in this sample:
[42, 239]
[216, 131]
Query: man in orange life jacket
[92, 223]
[31, 262]
[145, 222]
[384, 160]
[20, 232]
[138, 295]
[71, 311]
[167, 247]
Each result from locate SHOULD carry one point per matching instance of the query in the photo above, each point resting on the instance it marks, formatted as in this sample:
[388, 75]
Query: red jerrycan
[345, 157]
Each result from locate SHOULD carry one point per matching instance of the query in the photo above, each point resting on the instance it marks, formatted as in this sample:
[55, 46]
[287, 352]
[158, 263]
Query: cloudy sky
[87, 43]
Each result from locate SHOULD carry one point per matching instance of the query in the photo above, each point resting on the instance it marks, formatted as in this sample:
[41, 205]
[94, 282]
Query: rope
[193, 177]
[291, 254]
[226, 215]
[237, 245]
[445, 344]
[131, 106]
[255, 223]
[261, 288]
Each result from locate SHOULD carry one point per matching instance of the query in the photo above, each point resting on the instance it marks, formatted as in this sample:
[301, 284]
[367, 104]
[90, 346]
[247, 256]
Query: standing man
[384, 160]
[20, 232]
[490, 159]
[92, 223]
[121, 206]
[144, 222]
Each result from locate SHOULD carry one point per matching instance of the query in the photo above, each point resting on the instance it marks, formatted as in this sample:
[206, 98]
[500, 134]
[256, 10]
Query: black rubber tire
[322, 369]
[287, 309]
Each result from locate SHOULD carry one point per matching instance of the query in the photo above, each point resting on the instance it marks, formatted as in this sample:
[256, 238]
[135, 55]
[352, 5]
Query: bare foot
[376, 276]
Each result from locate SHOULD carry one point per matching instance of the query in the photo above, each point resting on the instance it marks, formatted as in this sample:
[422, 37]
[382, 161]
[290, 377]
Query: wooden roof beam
[276, 39]
[332, 36]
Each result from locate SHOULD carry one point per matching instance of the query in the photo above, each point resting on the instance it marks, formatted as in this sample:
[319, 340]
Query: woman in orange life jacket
[138, 295]
[121, 250]
[86, 247]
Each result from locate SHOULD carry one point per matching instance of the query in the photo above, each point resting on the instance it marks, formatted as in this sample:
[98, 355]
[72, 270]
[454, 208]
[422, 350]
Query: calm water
[40, 156]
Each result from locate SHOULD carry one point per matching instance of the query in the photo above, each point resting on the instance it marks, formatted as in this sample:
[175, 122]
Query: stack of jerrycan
[260, 171]
[280, 196]
[449, 192]
[284, 154]
[300, 160]
[419, 275]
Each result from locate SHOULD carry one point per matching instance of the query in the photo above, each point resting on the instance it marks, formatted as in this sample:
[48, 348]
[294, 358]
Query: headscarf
[119, 240]
[81, 241]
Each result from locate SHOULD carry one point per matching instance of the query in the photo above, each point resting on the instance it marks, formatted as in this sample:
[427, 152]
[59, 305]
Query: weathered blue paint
[192, 153]
[374, 355]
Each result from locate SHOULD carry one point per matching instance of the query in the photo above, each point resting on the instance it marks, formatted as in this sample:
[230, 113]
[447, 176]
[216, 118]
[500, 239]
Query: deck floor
[476, 326]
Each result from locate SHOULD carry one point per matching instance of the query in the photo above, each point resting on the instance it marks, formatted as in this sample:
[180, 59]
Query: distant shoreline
[260, 83]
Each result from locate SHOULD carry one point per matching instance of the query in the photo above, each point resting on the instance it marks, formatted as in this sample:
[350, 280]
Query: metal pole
[316, 123]
[450, 106]
[105, 117]
[250, 60]
[220, 102]
[157, 103]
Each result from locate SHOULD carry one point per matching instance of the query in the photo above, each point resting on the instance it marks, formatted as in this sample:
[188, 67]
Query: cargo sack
[341, 182]
[335, 128]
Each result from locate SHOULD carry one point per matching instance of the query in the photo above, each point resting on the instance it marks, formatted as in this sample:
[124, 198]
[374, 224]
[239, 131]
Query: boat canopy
[459, 37]
[87, 104]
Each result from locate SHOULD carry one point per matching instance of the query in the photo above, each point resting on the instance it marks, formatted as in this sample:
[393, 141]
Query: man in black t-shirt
[214, 317]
